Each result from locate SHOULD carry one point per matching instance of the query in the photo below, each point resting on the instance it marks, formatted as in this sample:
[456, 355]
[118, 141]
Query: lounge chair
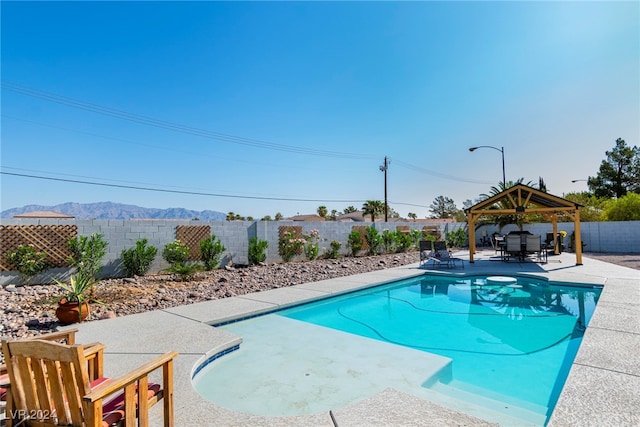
[426, 248]
[51, 385]
[440, 256]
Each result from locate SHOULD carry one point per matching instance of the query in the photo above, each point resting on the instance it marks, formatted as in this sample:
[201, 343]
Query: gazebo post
[472, 237]
[578, 237]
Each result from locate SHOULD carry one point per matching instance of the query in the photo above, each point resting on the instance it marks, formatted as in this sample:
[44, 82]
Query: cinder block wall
[611, 237]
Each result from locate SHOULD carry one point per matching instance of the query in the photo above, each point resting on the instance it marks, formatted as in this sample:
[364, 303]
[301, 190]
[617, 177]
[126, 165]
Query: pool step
[531, 414]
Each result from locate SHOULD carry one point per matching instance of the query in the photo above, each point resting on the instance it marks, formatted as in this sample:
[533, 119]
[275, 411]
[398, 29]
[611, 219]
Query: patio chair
[51, 386]
[513, 246]
[67, 336]
[533, 245]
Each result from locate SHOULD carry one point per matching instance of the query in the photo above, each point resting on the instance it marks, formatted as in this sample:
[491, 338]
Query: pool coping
[603, 387]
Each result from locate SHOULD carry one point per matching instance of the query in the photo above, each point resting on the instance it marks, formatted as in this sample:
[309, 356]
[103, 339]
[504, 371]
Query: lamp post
[501, 150]
[576, 180]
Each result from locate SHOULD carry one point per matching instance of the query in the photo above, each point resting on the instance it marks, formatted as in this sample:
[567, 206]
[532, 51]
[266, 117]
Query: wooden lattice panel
[191, 236]
[50, 239]
[296, 230]
[362, 229]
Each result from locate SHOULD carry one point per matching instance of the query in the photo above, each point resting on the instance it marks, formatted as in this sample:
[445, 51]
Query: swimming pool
[504, 345]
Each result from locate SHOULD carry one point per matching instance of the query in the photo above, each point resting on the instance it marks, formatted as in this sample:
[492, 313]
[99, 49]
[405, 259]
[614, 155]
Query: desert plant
[79, 288]
[374, 240]
[289, 246]
[416, 236]
[175, 252]
[28, 262]
[211, 250]
[257, 250]
[87, 253]
[403, 241]
[185, 270]
[456, 238]
[311, 247]
[354, 242]
[137, 261]
[334, 249]
[388, 241]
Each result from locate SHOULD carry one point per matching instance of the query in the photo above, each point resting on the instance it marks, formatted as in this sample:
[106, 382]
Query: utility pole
[384, 168]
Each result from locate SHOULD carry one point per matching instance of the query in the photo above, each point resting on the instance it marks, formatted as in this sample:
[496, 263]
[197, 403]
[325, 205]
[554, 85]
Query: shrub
[137, 261]
[185, 271]
[87, 253]
[28, 262]
[311, 247]
[374, 239]
[354, 242]
[416, 236]
[389, 241]
[175, 252]
[257, 250]
[457, 238]
[334, 249]
[289, 246]
[403, 241]
[211, 250]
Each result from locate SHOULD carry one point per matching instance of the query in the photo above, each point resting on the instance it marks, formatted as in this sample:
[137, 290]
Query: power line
[162, 190]
[196, 193]
[175, 127]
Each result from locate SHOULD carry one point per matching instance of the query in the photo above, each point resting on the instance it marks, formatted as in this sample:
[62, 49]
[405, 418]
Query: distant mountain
[110, 210]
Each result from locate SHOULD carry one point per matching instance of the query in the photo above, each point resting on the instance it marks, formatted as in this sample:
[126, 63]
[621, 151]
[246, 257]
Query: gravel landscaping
[30, 310]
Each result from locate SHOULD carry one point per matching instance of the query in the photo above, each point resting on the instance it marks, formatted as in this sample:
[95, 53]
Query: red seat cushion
[113, 409]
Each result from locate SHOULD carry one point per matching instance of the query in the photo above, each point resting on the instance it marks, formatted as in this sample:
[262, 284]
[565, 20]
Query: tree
[412, 215]
[593, 206]
[278, 216]
[443, 207]
[334, 214]
[619, 173]
[266, 218]
[322, 211]
[373, 208]
[502, 220]
[349, 209]
[625, 208]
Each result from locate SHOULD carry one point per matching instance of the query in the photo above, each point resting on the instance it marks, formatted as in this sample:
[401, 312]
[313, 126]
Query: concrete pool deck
[603, 387]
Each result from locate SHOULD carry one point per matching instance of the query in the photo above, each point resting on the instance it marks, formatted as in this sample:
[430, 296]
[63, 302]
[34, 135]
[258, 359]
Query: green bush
[354, 242]
[289, 246]
[312, 247]
[28, 262]
[374, 240]
[334, 249]
[87, 253]
[403, 241]
[389, 241]
[175, 252]
[185, 271]
[456, 239]
[211, 250]
[137, 261]
[257, 250]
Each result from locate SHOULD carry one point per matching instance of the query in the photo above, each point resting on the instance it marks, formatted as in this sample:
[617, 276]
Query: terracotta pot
[67, 312]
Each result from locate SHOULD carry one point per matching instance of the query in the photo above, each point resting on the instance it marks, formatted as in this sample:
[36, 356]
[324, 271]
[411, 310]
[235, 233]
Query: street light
[501, 150]
[576, 180]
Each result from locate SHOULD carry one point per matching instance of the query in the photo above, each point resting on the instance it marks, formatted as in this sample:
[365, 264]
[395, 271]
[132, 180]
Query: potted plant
[73, 306]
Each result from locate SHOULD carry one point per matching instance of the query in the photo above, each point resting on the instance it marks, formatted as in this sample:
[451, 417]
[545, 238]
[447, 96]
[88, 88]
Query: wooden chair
[52, 386]
[68, 337]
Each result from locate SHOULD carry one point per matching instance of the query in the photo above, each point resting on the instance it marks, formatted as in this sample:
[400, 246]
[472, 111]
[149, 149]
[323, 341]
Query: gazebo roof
[524, 200]
[513, 199]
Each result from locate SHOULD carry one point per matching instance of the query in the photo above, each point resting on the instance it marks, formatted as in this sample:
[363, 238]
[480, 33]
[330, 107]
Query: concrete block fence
[609, 237]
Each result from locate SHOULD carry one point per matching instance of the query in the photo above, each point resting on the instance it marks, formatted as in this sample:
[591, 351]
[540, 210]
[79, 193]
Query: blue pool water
[509, 341]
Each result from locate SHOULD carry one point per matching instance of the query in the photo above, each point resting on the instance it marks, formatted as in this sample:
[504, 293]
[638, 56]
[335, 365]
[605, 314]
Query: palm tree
[503, 220]
[373, 208]
[412, 216]
[322, 211]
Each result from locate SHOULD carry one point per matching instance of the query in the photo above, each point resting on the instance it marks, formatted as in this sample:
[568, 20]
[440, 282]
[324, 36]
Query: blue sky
[286, 106]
